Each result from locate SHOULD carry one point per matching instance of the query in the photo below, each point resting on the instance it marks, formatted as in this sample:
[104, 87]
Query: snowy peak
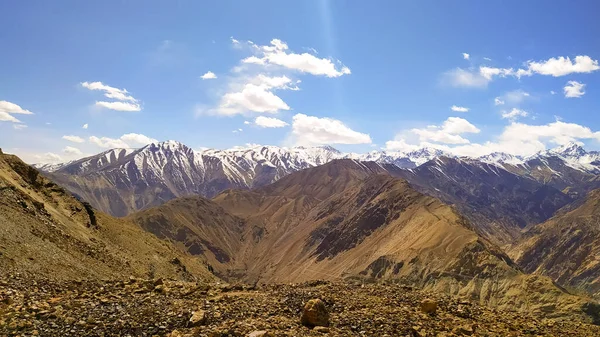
[501, 158]
[570, 149]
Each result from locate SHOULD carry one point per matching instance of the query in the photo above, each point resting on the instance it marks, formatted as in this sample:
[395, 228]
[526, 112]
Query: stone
[315, 313]
[321, 329]
[259, 333]
[428, 306]
[198, 318]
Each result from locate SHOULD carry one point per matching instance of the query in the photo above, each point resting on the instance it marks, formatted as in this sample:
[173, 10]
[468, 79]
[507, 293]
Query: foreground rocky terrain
[137, 307]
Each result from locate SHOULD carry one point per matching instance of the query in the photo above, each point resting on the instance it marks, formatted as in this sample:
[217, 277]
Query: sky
[468, 77]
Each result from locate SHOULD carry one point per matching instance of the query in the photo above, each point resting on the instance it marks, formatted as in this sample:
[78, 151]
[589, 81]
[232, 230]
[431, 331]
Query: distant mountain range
[122, 181]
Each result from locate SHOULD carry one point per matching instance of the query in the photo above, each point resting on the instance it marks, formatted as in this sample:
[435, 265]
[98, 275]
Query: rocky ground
[137, 307]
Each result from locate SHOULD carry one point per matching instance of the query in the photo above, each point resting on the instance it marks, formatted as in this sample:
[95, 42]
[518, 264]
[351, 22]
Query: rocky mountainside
[348, 220]
[46, 232]
[566, 247]
[499, 203]
[122, 181]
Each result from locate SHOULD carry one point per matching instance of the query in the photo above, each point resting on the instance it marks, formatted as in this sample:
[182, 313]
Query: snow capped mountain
[499, 158]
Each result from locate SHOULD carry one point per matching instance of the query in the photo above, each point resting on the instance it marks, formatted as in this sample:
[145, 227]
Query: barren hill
[351, 220]
[46, 232]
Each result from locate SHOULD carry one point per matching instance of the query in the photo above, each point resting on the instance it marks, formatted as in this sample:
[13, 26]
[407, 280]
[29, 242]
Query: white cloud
[128, 140]
[516, 138]
[107, 142]
[487, 58]
[110, 92]
[562, 66]
[247, 122]
[556, 67]
[74, 139]
[69, 150]
[459, 108]
[119, 106]
[126, 101]
[269, 122]
[19, 126]
[465, 56]
[552, 92]
[253, 98]
[514, 114]
[448, 133]
[277, 53]
[208, 76]
[490, 72]
[12, 108]
[85, 126]
[311, 130]
[498, 101]
[137, 139]
[49, 158]
[6, 117]
[7, 109]
[574, 89]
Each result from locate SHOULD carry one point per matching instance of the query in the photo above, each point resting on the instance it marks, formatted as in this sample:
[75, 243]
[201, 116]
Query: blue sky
[360, 76]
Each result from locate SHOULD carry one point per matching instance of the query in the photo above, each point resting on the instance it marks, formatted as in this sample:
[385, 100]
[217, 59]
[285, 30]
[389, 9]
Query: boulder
[428, 306]
[198, 318]
[315, 314]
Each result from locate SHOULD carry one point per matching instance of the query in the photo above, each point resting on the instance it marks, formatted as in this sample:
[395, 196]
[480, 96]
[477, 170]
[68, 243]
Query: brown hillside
[566, 247]
[48, 233]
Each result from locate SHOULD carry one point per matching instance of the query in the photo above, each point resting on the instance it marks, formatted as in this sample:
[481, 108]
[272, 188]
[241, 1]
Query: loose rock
[315, 313]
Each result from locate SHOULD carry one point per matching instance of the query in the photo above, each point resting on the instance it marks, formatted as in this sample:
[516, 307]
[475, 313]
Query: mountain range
[494, 233]
[122, 181]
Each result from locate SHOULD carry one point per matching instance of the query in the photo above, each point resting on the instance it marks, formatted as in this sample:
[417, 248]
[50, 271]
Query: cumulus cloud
[269, 122]
[208, 76]
[247, 122]
[6, 117]
[85, 126]
[252, 98]
[12, 108]
[73, 151]
[516, 138]
[125, 102]
[7, 109]
[278, 53]
[256, 95]
[459, 108]
[465, 56]
[574, 89]
[311, 130]
[514, 114]
[128, 140]
[562, 66]
[74, 139]
[448, 133]
[137, 139]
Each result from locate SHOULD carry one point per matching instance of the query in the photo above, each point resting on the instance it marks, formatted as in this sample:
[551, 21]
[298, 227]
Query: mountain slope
[352, 220]
[566, 247]
[46, 232]
[497, 202]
